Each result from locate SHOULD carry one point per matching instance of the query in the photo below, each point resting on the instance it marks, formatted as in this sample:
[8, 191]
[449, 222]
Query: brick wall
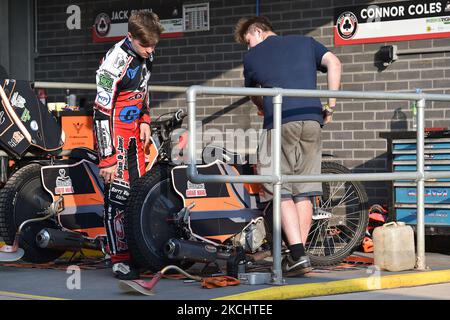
[212, 58]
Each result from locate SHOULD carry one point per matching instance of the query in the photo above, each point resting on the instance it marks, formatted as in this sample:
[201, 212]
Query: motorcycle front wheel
[340, 220]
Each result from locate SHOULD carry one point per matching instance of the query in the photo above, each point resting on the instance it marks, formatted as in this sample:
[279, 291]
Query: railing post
[276, 151]
[420, 146]
[191, 101]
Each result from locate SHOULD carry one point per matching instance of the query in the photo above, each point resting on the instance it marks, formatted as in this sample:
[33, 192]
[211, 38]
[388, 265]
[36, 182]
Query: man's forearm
[334, 81]
[258, 101]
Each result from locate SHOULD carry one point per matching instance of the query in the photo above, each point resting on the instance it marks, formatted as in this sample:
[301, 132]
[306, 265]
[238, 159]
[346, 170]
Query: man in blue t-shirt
[290, 62]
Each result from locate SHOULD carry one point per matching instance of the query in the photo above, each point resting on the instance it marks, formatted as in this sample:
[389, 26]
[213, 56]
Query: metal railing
[92, 86]
[277, 178]
[88, 86]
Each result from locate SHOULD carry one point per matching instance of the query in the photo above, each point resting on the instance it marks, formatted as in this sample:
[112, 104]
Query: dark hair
[145, 27]
[246, 25]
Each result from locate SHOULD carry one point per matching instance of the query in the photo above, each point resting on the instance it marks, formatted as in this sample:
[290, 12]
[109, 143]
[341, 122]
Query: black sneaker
[124, 271]
[292, 268]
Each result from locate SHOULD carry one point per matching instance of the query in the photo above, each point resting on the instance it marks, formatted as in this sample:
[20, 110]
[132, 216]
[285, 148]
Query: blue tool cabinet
[402, 157]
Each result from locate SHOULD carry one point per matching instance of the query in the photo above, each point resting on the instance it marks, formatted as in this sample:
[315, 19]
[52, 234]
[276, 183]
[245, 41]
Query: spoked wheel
[23, 198]
[152, 202]
[339, 225]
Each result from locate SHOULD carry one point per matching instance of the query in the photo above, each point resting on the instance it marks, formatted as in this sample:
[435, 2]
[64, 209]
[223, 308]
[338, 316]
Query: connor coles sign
[392, 21]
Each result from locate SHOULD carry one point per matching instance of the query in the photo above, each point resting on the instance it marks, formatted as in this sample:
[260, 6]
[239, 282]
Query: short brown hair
[246, 25]
[145, 27]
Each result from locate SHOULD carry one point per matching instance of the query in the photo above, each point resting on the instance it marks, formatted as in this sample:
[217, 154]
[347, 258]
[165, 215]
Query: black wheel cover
[157, 207]
[30, 200]
[152, 202]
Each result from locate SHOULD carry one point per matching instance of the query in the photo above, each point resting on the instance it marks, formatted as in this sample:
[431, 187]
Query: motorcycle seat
[84, 154]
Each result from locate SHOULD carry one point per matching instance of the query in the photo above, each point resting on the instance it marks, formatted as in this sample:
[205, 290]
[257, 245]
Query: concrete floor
[26, 283]
[431, 292]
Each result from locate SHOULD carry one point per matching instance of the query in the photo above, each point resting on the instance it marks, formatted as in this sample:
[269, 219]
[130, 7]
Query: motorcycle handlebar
[180, 115]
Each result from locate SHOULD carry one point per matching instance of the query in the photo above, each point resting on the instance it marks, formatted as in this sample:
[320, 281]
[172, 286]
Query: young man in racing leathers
[122, 127]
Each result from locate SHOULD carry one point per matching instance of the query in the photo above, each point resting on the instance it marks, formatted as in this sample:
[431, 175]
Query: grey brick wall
[212, 58]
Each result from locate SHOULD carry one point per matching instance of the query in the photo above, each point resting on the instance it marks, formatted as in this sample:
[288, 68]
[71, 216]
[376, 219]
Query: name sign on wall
[176, 19]
[392, 21]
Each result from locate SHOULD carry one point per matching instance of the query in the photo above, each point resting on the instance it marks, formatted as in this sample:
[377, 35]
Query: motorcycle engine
[252, 237]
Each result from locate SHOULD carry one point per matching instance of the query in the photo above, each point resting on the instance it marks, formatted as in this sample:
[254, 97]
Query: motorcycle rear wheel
[23, 197]
[152, 201]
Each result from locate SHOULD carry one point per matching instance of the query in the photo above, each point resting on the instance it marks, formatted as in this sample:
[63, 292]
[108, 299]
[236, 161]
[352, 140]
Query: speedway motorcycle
[51, 205]
[41, 214]
[172, 219]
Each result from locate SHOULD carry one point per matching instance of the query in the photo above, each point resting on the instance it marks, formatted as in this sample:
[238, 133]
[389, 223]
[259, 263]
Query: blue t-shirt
[288, 62]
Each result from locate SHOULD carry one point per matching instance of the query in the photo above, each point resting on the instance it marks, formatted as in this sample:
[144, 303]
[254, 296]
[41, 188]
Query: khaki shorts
[301, 154]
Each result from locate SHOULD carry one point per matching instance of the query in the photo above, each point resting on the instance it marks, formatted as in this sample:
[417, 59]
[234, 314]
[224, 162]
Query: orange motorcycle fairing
[78, 184]
[221, 209]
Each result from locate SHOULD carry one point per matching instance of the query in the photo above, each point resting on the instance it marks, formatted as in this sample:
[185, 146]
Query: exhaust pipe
[176, 249]
[62, 240]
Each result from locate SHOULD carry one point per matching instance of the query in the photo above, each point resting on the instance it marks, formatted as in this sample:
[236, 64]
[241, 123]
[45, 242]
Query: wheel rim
[159, 204]
[331, 237]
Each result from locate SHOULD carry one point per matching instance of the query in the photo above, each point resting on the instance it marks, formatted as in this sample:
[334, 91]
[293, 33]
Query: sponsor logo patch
[63, 183]
[129, 114]
[78, 126]
[104, 138]
[119, 230]
[34, 126]
[195, 190]
[2, 117]
[121, 155]
[18, 101]
[137, 96]
[131, 73]
[120, 61]
[16, 139]
[103, 98]
[25, 117]
[106, 82]
[144, 81]
[119, 193]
